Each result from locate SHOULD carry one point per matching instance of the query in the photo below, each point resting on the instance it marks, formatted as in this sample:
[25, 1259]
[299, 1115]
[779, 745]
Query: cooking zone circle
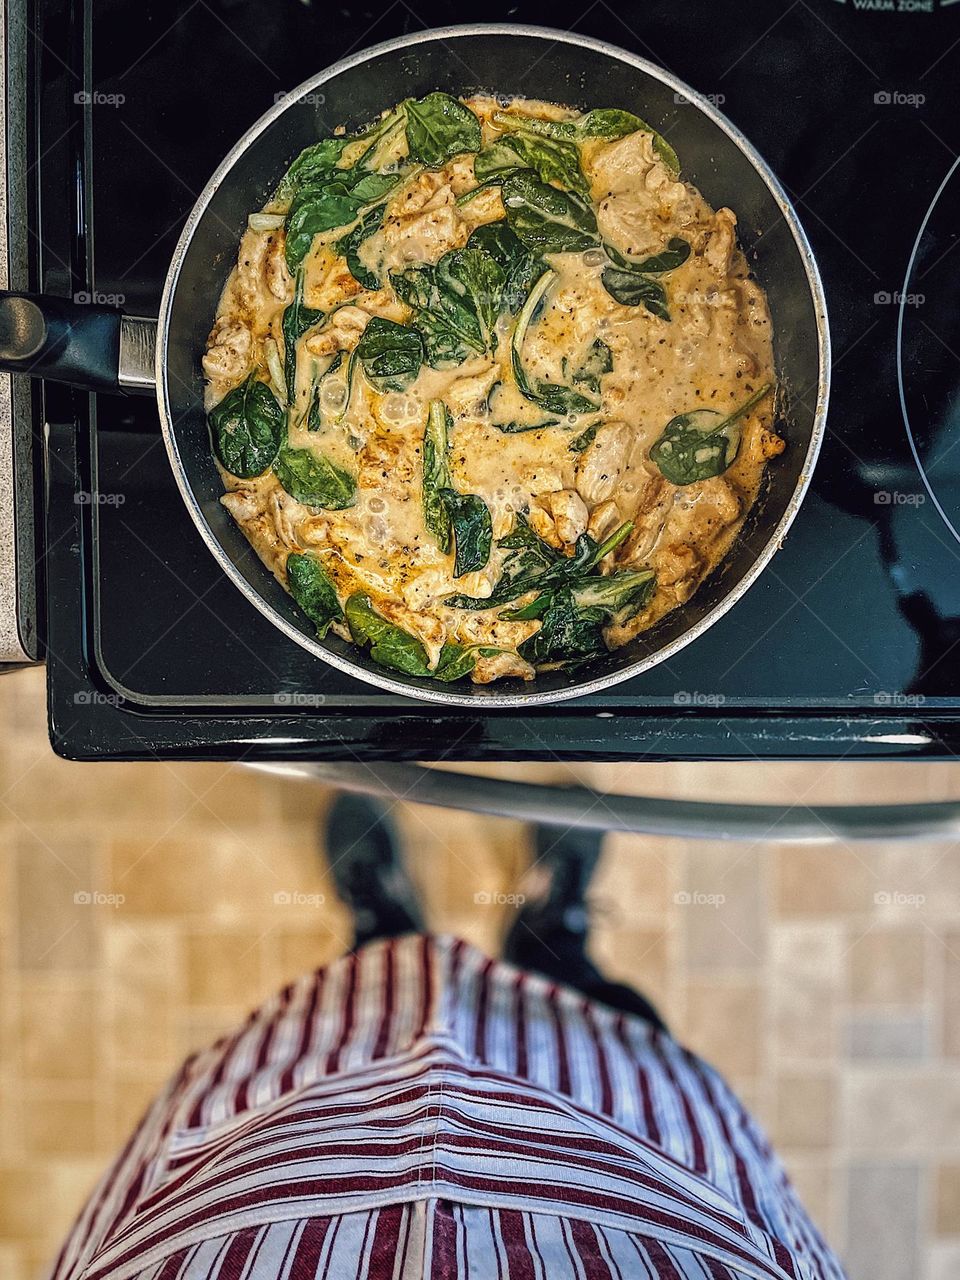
[928, 350]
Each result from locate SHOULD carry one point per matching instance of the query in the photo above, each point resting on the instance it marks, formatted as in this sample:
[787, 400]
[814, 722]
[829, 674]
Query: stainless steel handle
[646, 815]
[138, 349]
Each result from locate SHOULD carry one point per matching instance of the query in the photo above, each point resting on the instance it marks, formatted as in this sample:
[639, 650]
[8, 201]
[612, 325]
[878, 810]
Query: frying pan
[97, 348]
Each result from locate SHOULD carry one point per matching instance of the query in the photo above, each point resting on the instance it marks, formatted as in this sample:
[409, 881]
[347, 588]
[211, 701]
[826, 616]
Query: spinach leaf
[585, 438]
[551, 159]
[316, 209]
[627, 280]
[314, 164]
[632, 289]
[349, 246]
[552, 396]
[311, 587]
[701, 443]
[439, 128]
[597, 362]
[474, 278]
[457, 660]
[313, 479]
[297, 319]
[546, 219]
[535, 565]
[436, 479]
[390, 354]
[572, 615]
[247, 428]
[324, 206]
[521, 268]
[390, 646]
[675, 255]
[459, 519]
[493, 164]
[605, 122]
[472, 528]
[455, 304]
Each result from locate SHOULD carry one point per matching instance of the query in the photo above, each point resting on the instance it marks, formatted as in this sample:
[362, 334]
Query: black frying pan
[97, 348]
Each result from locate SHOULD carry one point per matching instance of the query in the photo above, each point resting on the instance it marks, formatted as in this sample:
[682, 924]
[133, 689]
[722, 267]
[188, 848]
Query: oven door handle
[76, 341]
[644, 815]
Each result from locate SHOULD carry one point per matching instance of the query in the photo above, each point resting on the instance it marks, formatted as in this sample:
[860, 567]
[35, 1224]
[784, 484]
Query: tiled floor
[144, 908]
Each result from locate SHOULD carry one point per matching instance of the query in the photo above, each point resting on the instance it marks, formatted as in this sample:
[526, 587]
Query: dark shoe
[364, 856]
[549, 933]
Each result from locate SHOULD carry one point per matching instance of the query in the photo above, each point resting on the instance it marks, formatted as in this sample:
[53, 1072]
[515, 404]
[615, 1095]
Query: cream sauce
[714, 353]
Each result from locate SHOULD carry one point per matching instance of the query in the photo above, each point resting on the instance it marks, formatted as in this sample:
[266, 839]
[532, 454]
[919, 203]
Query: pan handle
[80, 343]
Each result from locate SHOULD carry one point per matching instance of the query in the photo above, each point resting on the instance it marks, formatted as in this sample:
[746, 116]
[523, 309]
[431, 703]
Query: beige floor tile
[888, 965]
[822, 880]
[225, 967]
[808, 983]
[806, 1111]
[723, 1024]
[638, 957]
[60, 1032]
[143, 986]
[55, 887]
[56, 1126]
[723, 892]
[903, 1111]
[947, 1199]
[950, 954]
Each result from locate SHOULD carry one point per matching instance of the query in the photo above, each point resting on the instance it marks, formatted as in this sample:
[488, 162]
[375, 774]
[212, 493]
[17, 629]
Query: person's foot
[364, 856]
[549, 933]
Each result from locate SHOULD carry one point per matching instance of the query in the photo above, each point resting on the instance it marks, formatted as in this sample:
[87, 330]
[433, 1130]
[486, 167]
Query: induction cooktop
[849, 642]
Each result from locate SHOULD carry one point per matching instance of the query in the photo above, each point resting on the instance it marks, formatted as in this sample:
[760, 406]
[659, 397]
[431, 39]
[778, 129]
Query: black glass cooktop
[849, 642]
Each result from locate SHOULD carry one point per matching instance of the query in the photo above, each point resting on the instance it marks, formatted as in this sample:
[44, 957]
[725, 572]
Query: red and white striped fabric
[418, 1111]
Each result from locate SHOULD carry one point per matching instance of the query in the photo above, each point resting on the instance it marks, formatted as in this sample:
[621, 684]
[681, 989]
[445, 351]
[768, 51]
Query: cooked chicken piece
[342, 333]
[228, 351]
[677, 566]
[429, 630]
[722, 243]
[603, 520]
[469, 395]
[640, 205]
[544, 526]
[279, 280]
[314, 531]
[261, 533]
[603, 460]
[569, 512]
[243, 504]
[495, 667]
[288, 514]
